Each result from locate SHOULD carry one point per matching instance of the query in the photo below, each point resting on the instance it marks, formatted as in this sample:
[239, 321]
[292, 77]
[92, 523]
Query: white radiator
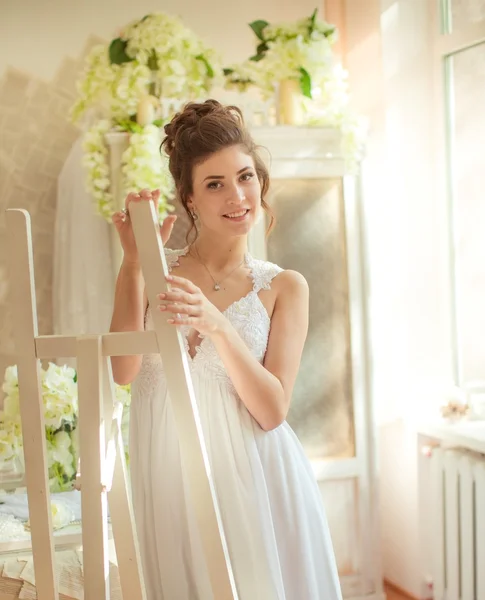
[458, 527]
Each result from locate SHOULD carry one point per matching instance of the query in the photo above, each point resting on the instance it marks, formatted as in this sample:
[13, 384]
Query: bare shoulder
[290, 284]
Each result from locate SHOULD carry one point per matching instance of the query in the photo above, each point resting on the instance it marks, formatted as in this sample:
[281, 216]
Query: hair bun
[190, 118]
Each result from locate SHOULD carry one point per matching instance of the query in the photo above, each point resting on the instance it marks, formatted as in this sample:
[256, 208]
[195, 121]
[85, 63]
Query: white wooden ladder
[103, 470]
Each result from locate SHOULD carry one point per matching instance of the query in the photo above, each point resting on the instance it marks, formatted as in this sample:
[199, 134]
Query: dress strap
[262, 272]
[172, 257]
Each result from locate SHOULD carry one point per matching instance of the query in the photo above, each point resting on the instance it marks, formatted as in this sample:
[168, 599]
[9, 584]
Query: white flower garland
[157, 56]
[142, 167]
[98, 172]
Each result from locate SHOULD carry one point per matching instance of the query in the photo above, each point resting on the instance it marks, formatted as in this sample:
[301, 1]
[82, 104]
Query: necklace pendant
[217, 287]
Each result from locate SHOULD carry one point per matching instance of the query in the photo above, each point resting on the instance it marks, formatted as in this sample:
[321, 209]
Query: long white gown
[273, 516]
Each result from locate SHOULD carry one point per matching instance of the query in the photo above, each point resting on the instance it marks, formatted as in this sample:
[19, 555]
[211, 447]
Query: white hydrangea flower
[130, 83]
[7, 449]
[95, 84]
[61, 515]
[160, 50]
[10, 439]
[244, 75]
[60, 402]
[145, 167]
[11, 381]
[302, 51]
[11, 405]
[95, 161]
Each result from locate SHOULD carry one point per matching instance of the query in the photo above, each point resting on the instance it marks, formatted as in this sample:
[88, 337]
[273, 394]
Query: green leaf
[210, 70]
[258, 28]
[260, 52]
[313, 19]
[159, 122]
[75, 376]
[227, 71]
[130, 125]
[153, 61]
[117, 52]
[305, 83]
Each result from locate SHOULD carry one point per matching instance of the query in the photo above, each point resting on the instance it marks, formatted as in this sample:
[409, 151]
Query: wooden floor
[393, 594]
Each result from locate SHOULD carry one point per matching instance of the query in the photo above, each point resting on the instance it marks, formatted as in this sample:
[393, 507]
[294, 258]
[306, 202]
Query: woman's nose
[237, 195]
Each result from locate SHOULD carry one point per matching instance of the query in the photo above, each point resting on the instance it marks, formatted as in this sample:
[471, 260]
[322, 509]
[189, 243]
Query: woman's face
[226, 192]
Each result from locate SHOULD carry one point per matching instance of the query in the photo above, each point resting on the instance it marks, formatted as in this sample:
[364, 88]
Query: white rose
[11, 380]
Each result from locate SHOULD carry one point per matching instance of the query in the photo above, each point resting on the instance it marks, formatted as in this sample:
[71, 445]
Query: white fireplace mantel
[301, 152]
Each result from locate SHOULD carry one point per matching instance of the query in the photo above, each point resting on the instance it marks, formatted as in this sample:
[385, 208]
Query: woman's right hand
[123, 225]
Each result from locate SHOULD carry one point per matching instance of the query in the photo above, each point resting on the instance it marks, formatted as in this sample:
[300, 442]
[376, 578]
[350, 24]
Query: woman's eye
[213, 185]
[247, 176]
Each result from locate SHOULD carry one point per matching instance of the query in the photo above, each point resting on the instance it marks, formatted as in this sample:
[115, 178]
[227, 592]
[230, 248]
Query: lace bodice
[247, 315]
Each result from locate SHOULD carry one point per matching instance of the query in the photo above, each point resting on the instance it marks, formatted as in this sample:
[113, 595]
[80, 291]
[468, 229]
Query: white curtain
[83, 284]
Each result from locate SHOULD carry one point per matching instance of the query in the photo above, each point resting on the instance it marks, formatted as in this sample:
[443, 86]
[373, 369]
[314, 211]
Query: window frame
[447, 43]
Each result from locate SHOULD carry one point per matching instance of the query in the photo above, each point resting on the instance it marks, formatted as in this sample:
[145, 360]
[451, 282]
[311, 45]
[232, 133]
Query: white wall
[35, 35]
[388, 45]
[42, 44]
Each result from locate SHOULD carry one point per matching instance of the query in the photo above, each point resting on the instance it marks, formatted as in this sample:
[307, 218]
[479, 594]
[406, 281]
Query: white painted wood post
[186, 413]
[121, 510]
[21, 272]
[94, 506]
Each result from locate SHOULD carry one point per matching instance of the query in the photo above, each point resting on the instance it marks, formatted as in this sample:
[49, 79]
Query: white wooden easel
[103, 470]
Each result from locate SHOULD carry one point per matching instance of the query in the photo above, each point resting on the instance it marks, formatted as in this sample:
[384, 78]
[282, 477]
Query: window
[460, 58]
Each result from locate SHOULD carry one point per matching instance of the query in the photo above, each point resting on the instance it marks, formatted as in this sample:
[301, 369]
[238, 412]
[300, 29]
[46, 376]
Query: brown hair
[197, 132]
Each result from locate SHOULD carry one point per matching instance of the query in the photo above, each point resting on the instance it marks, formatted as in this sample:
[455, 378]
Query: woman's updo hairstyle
[197, 132]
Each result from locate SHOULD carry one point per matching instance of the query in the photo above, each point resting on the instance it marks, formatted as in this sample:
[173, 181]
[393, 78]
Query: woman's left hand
[190, 307]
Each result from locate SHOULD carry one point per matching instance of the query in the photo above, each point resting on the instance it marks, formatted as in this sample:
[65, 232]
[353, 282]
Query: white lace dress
[273, 516]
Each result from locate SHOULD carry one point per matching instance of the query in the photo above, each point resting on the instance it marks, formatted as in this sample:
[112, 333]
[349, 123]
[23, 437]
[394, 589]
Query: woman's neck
[218, 252]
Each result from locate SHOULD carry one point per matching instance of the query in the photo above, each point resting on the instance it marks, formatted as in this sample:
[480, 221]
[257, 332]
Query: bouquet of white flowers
[156, 55]
[301, 54]
[300, 51]
[60, 402]
[124, 82]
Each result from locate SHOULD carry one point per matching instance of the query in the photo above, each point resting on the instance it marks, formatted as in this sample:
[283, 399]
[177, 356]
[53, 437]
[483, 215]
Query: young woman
[244, 322]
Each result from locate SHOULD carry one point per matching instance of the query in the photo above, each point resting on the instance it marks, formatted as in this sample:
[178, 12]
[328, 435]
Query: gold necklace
[217, 284]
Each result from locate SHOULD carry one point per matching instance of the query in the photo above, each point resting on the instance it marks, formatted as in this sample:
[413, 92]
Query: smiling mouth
[240, 214]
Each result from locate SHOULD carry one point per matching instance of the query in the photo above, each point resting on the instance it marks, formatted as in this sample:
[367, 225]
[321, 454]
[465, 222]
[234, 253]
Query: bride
[244, 322]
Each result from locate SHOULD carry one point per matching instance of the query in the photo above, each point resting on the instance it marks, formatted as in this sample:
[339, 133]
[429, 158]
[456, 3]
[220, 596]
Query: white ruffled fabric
[273, 516]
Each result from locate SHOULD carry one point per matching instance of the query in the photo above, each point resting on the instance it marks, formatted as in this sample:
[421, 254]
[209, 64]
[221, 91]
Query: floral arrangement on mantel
[158, 62]
[60, 402]
[296, 62]
[121, 88]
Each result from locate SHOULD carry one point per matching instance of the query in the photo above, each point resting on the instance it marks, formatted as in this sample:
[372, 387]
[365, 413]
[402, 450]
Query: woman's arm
[266, 390]
[128, 315]
[130, 299]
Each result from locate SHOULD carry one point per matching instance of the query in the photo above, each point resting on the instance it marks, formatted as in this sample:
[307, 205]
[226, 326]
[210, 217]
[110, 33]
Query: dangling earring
[194, 216]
